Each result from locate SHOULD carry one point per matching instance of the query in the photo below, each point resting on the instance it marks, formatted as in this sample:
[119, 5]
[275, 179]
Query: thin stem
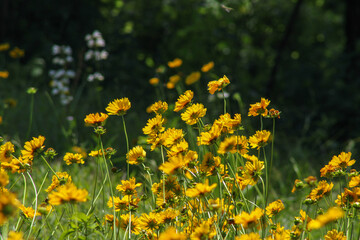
[46, 162]
[36, 203]
[163, 174]
[127, 145]
[224, 101]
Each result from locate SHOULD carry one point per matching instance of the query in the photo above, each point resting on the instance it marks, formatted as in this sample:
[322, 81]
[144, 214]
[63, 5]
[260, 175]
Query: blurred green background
[302, 55]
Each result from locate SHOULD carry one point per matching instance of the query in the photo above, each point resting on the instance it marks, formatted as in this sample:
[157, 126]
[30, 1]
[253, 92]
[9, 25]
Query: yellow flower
[136, 155]
[8, 205]
[193, 113]
[97, 153]
[227, 124]
[33, 147]
[95, 119]
[321, 190]
[28, 212]
[16, 53]
[259, 108]
[110, 220]
[80, 150]
[172, 136]
[4, 74]
[259, 139]
[175, 63]
[348, 196]
[170, 85]
[178, 148]
[250, 236]
[174, 79]
[253, 170]
[355, 181]
[334, 235]
[183, 100]
[205, 230]
[154, 126]
[274, 208]
[67, 193]
[15, 236]
[342, 160]
[209, 164]
[200, 189]
[127, 187]
[172, 234]
[192, 78]
[331, 215]
[173, 164]
[71, 158]
[234, 144]
[64, 178]
[209, 137]
[6, 152]
[207, 67]
[169, 215]
[123, 204]
[135, 223]
[218, 85]
[4, 178]
[150, 221]
[118, 106]
[159, 107]
[154, 81]
[249, 220]
[4, 46]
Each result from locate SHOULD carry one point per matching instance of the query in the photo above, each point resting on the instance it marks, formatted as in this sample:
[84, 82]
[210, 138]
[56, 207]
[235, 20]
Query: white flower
[55, 49]
[100, 42]
[88, 55]
[69, 59]
[104, 54]
[67, 50]
[90, 78]
[70, 73]
[91, 43]
[96, 34]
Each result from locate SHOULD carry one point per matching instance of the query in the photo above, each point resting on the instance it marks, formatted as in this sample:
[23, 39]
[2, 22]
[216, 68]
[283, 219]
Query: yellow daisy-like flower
[28, 212]
[321, 190]
[249, 236]
[249, 220]
[274, 208]
[209, 137]
[354, 181]
[334, 235]
[154, 81]
[207, 67]
[172, 234]
[174, 164]
[159, 107]
[169, 215]
[192, 78]
[175, 63]
[193, 113]
[205, 230]
[16, 53]
[253, 171]
[15, 236]
[136, 155]
[331, 215]
[123, 204]
[209, 164]
[4, 46]
[109, 219]
[183, 100]
[234, 144]
[61, 179]
[97, 153]
[342, 160]
[259, 139]
[67, 193]
[154, 126]
[96, 119]
[135, 223]
[150, 221]
[71, 158]
[259, 108]
[218, 85]
[127, 187]
[5, 152]
[118, 106]
[227, 124]
[174, 79]
[4, 74]
[8, 205]
[4, 178]
[178, 148]
[33, 147]
[200, 189]
[172, 136]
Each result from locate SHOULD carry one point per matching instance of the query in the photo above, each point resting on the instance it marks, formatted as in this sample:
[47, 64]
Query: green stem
[110, 185]
[127, 145]
[46, 162]
[163, 174]
[36, 203]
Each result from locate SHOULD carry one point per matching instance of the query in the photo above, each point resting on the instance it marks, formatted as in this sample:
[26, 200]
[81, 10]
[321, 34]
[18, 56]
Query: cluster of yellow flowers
[204, 180]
